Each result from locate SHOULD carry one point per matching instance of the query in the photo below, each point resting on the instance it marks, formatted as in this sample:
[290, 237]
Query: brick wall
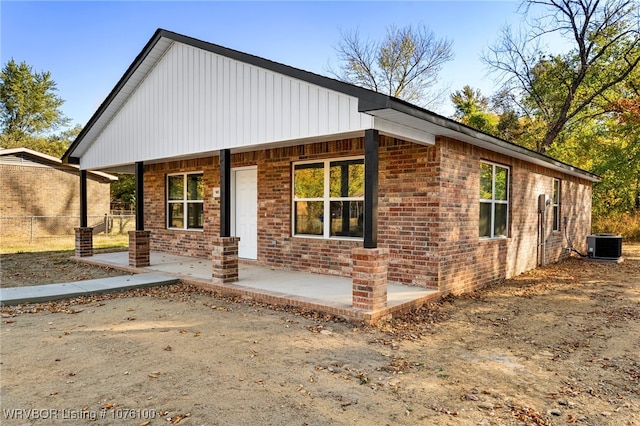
[428, 213]
[467, 262]
[188, 242]
[49, 191]
[408, 211]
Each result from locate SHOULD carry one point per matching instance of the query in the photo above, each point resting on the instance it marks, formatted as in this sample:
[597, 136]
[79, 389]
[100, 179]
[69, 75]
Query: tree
[29, 106]
[468, 101]
[123, 190]
[55, 144]
[495, 116]
[472, 109]
[558, 89]
[619, 160]
[405, 64]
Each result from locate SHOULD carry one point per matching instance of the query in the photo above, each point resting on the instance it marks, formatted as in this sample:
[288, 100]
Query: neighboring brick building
[36, 184]
[308, 171]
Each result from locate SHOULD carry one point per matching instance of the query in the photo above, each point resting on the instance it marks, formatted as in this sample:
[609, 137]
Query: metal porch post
[371, 139]
[224, 257]
[225, 193]
[83, 198]
[139, 168]
[139, 240]
[83, 234]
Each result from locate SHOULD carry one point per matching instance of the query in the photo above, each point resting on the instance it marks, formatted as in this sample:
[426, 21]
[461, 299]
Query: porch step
[46, 293]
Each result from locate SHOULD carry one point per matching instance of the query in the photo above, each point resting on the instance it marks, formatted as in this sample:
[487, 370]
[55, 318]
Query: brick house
[36, 184]
[239, 156]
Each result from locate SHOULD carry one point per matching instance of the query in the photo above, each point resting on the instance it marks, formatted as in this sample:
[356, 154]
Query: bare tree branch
[605, 50]
[405, 64]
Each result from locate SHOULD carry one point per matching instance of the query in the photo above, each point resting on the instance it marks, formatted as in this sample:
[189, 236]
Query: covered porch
[221, 185]
[326, 293]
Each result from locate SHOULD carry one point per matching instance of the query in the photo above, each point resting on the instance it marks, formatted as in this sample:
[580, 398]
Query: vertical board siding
[196, 101]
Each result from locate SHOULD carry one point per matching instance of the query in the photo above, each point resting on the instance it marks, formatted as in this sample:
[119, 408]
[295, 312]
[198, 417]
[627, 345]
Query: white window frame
[556, 203]
[326, 199]
[493, 200]
[183, 201]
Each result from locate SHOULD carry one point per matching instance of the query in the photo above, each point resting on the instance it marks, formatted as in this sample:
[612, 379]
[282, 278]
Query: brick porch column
[139, 248]
[370, 278]
[224, 259]
[84, 241]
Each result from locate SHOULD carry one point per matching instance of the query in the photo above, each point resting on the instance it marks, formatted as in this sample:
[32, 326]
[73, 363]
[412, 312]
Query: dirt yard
[49, 267]
[557, 346]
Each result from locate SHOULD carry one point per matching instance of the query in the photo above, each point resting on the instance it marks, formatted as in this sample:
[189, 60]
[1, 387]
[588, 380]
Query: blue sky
[87, 46]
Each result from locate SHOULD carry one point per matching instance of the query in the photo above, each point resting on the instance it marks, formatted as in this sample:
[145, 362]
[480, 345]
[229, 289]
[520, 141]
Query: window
[494, 200]
[332, 189]
[185, 201]
[556, 204]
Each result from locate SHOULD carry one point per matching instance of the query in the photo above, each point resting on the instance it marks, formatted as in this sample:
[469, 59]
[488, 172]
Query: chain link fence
[36, 229]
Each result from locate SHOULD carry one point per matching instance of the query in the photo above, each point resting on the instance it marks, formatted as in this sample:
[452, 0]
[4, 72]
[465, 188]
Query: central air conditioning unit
[604, 246]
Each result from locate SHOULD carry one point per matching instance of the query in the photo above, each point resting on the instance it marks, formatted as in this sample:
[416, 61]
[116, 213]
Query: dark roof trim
[368, 100]
[287, 70]
[439, 120]
[66, 157]
[366, 97]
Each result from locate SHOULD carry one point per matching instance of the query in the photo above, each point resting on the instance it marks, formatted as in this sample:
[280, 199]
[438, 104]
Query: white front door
[245, 194]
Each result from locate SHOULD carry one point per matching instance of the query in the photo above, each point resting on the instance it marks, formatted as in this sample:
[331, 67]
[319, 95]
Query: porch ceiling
[129, 167]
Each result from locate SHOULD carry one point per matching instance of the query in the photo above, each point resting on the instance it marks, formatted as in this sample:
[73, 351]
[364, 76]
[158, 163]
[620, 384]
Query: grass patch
[61, 244]
[625, 224]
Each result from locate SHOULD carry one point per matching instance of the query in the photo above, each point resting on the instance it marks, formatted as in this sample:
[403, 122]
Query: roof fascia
[447, 123]
[66, 157]
[53, 160]
[368, 100]
[31, 152]
[366, 97]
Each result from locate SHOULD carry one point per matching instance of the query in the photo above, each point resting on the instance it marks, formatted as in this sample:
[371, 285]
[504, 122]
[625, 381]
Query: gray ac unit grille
[604, 246]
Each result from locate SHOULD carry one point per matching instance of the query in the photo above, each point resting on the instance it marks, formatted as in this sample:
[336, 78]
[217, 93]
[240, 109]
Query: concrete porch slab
[326, 293]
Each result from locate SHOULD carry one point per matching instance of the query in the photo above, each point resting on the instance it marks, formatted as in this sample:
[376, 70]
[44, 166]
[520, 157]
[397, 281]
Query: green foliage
[509, 126]
[498, 119]
[124, 189]
[560, 90]
[618, 162]
[472, 109]
[29, 105]
[30, 111]
[581, 106]
[468, 102]
[44, 145]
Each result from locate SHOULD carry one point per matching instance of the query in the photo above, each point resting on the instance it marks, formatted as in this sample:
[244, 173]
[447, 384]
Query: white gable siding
[195, 101]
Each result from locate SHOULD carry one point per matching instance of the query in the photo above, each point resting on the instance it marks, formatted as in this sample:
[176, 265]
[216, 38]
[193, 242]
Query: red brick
[84, 242]
[139, 255]
[427, 219]
[224, 259]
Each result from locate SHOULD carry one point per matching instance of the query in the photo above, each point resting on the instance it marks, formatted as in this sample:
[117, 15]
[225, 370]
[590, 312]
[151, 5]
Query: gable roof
[378, 105]
[46, 159]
